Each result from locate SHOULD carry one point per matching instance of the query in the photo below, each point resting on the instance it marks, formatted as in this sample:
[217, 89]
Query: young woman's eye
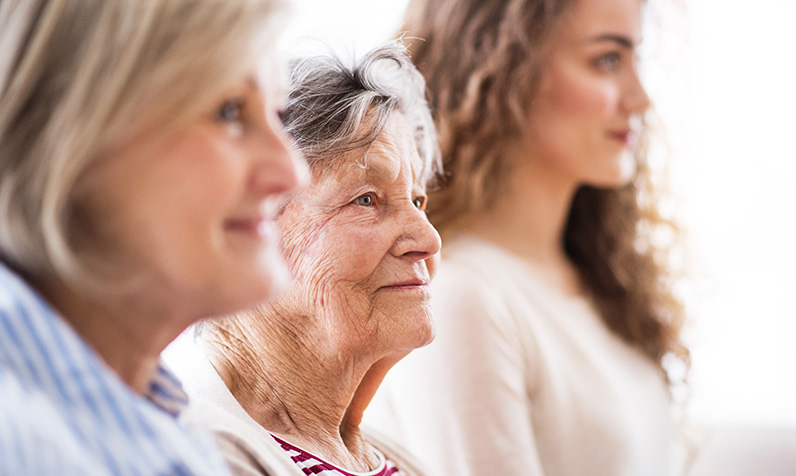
[420, 202]
[230, 111]
[608, 61]
[365, 200]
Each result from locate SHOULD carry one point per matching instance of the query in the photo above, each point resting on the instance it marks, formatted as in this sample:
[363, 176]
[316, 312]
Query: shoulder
[247, 449]
[29, 422]
[480, 289]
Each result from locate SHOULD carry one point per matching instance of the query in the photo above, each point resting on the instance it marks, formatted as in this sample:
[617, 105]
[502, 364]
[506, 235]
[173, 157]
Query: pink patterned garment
[311, 464]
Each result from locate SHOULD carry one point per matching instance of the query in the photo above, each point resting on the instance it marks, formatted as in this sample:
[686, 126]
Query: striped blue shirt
[64, 411]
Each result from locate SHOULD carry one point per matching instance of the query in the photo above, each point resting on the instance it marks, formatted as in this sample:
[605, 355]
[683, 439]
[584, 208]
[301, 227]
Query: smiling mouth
[256, 226]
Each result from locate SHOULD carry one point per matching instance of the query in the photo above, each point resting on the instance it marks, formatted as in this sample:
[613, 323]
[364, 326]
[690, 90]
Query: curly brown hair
[482, 62]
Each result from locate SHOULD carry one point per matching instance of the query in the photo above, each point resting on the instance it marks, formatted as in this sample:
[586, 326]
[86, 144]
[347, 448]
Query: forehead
[587, 19]
[391, 157]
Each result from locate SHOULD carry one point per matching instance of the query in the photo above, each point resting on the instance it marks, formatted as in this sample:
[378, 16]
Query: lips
[625, 136]
[256, 225]
[412, 283]
[258, 221]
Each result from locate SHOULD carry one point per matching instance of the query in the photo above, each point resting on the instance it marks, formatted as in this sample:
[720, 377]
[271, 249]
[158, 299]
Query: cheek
[336, 254]
[582, 97]
[206, 173]
[353, 250]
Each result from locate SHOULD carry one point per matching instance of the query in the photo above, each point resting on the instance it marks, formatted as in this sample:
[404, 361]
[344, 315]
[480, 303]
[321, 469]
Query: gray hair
[80, 76]
[330, 101]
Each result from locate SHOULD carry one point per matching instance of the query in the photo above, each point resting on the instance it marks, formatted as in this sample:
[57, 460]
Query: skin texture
[189, 217]
[357, 242]
[579, 132]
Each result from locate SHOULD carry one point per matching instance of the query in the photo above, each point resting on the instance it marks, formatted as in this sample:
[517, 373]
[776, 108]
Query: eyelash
[371, 200]
[230, 111]
[418, 202]
[609, 61]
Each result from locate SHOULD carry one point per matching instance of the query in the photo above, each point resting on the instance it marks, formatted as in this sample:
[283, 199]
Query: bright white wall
[363, 23]
[735, 167]
[729, 102]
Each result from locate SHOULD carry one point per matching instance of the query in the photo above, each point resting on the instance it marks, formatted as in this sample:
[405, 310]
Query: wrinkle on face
[341, 254]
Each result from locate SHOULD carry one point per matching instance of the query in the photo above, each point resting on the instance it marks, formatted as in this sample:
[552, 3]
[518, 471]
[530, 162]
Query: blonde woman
[554, 307]
[141, 157]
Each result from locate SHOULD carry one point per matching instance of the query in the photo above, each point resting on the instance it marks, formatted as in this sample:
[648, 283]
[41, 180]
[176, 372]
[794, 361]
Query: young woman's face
[587, 111]
[191, 215]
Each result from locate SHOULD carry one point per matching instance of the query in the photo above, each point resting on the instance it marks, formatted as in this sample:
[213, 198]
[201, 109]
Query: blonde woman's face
[587, 111]
[193, 214]
[358, 242]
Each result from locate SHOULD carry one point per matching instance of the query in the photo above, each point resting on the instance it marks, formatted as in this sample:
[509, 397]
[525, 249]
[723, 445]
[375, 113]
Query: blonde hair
[79, 76]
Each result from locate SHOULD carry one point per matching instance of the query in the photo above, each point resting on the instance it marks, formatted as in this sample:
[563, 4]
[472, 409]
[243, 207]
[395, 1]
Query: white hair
[330, 101]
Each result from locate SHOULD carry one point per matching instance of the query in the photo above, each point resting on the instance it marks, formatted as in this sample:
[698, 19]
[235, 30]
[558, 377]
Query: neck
[528, 218]
[127, 337]
[301, 390]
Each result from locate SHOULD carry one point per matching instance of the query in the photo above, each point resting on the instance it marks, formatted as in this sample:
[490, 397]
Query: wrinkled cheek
[355, 253]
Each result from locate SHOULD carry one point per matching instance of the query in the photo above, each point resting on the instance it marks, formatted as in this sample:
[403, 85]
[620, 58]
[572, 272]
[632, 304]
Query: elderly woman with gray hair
[285, 385]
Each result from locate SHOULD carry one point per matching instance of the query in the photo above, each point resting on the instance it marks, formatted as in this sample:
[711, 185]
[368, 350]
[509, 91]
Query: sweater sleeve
[240, 461]
[462, 405]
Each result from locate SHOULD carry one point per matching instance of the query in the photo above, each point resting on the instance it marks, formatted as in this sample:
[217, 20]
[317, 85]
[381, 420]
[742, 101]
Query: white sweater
[523, 380]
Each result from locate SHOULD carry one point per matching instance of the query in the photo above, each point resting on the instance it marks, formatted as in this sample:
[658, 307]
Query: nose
[636, 100]
[418, 239]
[279, 167]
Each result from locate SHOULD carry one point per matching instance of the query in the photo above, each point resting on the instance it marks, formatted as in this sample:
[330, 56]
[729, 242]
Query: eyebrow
[622, 41]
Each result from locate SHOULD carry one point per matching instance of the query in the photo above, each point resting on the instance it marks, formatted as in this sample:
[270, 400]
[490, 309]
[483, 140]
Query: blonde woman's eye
[420, 202]
[230, 111]
[364, 200]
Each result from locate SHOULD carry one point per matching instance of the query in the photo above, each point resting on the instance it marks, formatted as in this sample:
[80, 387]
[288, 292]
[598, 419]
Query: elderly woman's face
[193, 213]
[357, 241]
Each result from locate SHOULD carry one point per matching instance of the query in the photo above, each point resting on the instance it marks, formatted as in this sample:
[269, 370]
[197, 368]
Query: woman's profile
[141, 162]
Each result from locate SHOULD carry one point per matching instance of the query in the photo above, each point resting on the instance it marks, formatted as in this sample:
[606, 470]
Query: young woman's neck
[296, 391]
[528, 218]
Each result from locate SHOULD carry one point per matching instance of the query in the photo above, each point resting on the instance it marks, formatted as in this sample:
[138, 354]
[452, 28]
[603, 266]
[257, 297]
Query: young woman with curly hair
[554, 305]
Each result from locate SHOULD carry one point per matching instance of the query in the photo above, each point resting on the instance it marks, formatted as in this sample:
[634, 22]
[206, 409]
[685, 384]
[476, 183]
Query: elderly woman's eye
[230, 111]
[420, 202]
[364, 200]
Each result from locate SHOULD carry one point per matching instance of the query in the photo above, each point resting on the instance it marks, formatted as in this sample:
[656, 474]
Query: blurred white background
[723, 78]
[736, 172]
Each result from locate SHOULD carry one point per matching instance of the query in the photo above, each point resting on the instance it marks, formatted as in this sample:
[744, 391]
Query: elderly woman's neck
[297, 391]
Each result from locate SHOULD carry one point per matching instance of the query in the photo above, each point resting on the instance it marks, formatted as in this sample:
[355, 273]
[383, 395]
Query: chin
[425, 334]
[257, 286]
[272, 272]
[621, 174]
